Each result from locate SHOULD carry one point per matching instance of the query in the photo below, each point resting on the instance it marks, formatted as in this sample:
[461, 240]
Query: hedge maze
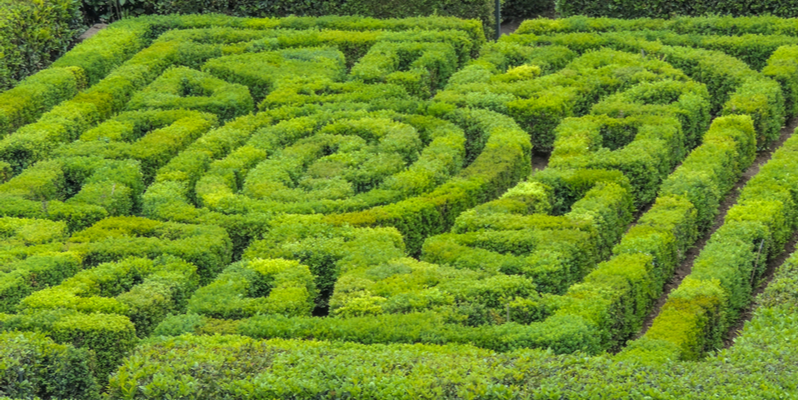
[215, 207]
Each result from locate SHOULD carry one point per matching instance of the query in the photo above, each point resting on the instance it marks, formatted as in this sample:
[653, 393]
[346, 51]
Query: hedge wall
[761, 363]
[672, 8]
[368, 183]
[33, 35]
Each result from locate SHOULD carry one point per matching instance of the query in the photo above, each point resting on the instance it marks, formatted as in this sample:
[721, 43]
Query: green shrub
[782, 290]
[711, 25]
[33, 365]
[108, 337]
[92, 187]
[33, 34]
[262, 72]
[699, 312]
[760, 363]
[502, 162]
[539, 104]
[186, 88]
[143, 290]
[376, 140]
[255, 287]
[20, 279]
[429, 65]
[711, 170]
[617, 296]
[667, 9]
[481, 10]
[782, 67]
[108, 49]
[733, 87]
[38, 94]
[328, 250]
[207, 247]
[151, 137]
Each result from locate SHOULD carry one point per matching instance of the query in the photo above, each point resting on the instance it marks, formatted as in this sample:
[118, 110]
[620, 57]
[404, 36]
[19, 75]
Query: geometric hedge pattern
[209, 206]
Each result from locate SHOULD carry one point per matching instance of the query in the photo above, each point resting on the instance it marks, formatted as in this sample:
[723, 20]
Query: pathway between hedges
[686, 266]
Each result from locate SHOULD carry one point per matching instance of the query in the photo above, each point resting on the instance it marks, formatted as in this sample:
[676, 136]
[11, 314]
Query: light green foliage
[186, 88]
[207, 247]
[141, 289]
[710, 299]
[257, 286]
[262, 72]
[782, 67]
[355, 198]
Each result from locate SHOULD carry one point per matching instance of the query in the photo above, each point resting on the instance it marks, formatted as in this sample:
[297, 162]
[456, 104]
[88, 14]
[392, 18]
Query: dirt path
[686, 266]
[509, 27]
[539, 160]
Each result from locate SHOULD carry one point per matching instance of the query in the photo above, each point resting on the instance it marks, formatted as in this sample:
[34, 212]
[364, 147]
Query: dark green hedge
[671, 8]
[33, 34]
[34, 366]
[482, 10]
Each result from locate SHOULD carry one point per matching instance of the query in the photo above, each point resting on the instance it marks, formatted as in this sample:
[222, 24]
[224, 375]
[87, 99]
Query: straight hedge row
[782, 67]
[710, 25]
[671, 8]
[616, 297]
[708, 301]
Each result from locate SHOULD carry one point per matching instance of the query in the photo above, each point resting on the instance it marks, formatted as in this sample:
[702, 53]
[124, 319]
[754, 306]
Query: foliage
[667, 9]
[345, 207]
[33, 35]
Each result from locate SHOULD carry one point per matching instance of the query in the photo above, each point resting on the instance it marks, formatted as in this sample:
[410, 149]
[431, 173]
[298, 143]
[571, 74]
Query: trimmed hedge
[554, 252]
[348, 144]
[108, 338]
[760, 363]
[538, 104]
[481, 10]
[37, 94]
[33, 34]
[207, 247]
[617, 296]
[143, 290]
[185, 88]
[710, 25]
[708, 301]
[77, 190]
[501, 163]
[257, 286]
[667, 9]
[34, 366]
[733, 87]
[151, 138]
[21, 278]
[782, 67]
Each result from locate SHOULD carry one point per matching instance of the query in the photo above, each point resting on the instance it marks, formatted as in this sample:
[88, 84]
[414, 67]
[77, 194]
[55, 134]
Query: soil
[509, 27]
[539, 160]
[90, 32]
[686, 266]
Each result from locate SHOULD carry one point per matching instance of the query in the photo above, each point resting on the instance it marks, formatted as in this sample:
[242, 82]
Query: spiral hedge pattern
[350, 204]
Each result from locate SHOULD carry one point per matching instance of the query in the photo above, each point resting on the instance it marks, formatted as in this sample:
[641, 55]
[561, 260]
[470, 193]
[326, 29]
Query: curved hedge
[350, 191]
